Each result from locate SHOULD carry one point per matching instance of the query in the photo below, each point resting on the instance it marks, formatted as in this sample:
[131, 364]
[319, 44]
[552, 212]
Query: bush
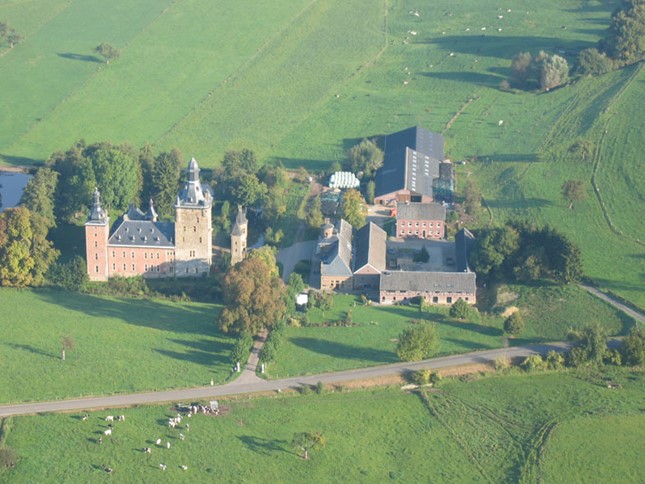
[534, 363]
[613, 357]
[71, 275]
[514, 324]
[502, 363]
[555, 360]
[591, 62]
[459, 309]
[634, 348]
[421, 377]
[436, 378]
[319, 388]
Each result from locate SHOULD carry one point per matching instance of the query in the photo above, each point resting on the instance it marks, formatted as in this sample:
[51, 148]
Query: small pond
[11, 188]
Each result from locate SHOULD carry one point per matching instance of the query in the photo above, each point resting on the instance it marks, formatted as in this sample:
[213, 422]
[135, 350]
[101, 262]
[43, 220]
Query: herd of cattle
[175, 422]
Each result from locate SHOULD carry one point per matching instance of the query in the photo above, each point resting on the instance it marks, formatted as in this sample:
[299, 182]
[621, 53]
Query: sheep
[167, 445]
[185, 468]
[85, 417]
[109, 418]
[147, 450]
[158, 442]
[500, 17]
[107, 469]
[182, 436]
[187, 427]
[121, 418]
[172, 424]
[501, 121]
[405, 83]
[162, 467]
[107, 432]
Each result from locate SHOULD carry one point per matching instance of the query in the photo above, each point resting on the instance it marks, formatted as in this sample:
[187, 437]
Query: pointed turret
[97, 214]
[152, 213]
[193, 194]
[239, 236]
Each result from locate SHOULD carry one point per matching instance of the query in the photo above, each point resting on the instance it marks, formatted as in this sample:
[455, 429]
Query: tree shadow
[79, 57]
[526, 203]
[505, 47]
[470, 345]
[20, 160]
[32, 349]
[478, 78]
[138, 312]
[263, 446]
[510, 157]
[295, 163]
[201, 352]
[472, 327]
[344, 351]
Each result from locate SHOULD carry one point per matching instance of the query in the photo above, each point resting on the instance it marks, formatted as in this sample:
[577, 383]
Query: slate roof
[412, 160]
[240, 219]
[194, 193]
[428, 281]
[464, 241]
[97, 216]
[420, 211]
[370, 246]
[143, 233]
[336, 251]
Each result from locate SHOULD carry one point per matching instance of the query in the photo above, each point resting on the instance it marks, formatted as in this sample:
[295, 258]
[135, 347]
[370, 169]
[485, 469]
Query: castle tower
[193, 226]
[97, 231]
[239, 235]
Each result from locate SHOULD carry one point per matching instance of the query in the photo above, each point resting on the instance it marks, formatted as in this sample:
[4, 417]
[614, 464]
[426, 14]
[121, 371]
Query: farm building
[420, 220]
[351, 261]
[413, 168]
[140, 244]
[434, 287]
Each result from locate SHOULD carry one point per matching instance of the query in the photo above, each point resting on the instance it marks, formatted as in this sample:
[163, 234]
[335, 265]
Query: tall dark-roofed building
[140, 244]
[413, 168]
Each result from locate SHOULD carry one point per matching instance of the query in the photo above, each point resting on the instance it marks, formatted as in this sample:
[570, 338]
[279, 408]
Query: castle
[142, 245]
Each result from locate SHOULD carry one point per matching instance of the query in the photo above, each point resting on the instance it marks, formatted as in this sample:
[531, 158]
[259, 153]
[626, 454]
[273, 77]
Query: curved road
[601, 295]
[241, 387]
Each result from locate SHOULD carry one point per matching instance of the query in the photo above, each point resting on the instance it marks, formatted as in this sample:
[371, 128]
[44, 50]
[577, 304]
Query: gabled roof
[418, 139]
[411, 161]
[370, 246]
[428, 281]
[464, 240]
[420, 211]
[144, 233]
[336, 251]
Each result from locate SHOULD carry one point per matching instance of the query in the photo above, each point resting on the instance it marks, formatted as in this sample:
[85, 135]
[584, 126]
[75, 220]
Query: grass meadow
[517, 428]
[549, 313]
[303, 80]
[120, 345]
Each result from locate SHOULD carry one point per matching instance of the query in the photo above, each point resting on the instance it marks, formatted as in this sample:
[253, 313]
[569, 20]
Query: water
[11, 188]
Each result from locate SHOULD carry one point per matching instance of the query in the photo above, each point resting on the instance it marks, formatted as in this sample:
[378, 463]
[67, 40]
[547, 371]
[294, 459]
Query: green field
[301, 81]
[518, 428]
[121, 345]
[549, 312]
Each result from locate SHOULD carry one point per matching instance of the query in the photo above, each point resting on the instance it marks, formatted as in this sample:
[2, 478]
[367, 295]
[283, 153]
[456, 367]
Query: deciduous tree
[253, 297]
[353, 208]
[38, 195]
[305, 442]
[417, 343]
[514, 324]
[25, 252]
[314, 216]
[366, 156]
[107, 51]
[573, 191]
[625, 40]
[459, 309]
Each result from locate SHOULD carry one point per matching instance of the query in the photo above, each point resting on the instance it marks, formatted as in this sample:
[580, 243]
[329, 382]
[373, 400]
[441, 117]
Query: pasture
[517, 428]
[549, 313]
[301, 81]
[120, 345]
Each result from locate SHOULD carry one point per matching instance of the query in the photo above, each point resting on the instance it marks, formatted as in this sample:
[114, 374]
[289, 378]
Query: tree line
[623, 44]
[522, 251]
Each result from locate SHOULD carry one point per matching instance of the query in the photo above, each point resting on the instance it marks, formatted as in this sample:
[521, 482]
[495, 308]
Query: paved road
[636, 315]
[241, 387]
